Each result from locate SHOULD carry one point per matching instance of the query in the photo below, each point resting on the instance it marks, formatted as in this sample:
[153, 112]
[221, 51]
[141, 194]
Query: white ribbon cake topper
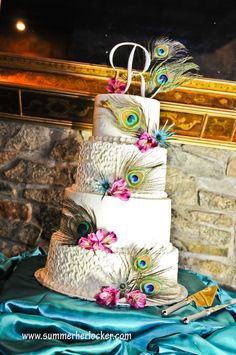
[130, 71]
[168, 63]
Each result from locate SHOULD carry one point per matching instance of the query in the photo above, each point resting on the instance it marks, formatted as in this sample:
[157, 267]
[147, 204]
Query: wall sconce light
[20, 26]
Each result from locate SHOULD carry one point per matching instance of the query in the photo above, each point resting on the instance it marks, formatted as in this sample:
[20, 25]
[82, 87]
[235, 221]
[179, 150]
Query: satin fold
[26, 307]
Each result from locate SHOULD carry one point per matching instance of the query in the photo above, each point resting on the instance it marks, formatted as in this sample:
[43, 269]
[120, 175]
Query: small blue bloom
[103, 186]
[162, 135]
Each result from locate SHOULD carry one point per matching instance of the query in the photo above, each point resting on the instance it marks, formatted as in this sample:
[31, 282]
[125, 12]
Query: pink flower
[98, 241]
[145, 142]
[136, 299]
[119, 189]
[115, 86]
[110, 238]
[85, 243]
[108, 296]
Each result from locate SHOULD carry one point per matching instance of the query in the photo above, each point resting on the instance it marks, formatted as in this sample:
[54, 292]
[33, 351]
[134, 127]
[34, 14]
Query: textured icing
[143, 222]
[79, 272]
[119, 140]
[102, 120]
[99, 157]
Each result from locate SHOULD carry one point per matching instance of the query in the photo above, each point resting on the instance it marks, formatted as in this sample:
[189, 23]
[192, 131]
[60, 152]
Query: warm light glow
[20, 25]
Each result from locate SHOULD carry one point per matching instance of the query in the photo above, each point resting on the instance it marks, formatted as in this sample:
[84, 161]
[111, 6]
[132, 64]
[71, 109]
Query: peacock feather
[141, 269]
[77, 221]
[139, 172]
[148, 274]
[169, 75]
[165, 48]
[127, 114]
[170, 67]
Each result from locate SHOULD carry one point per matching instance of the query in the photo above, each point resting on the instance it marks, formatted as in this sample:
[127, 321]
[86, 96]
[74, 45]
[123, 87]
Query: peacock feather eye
[162, 51]
[135, 178]
[81, 228]
[150, 286]
[142, 263]
[130, 119]
[162, 79]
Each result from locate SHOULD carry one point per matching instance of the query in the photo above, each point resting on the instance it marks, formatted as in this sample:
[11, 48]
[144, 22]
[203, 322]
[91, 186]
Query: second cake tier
[104, 160]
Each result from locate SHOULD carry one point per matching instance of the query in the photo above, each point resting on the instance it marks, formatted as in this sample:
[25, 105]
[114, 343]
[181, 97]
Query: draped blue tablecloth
[66, 325]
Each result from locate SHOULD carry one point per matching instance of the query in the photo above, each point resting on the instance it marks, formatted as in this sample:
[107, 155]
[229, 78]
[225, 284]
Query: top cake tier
[118, 115]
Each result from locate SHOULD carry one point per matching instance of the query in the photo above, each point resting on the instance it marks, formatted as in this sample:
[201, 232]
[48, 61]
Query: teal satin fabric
[27, 307]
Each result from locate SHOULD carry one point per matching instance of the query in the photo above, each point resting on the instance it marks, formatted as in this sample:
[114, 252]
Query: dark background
[85, 31]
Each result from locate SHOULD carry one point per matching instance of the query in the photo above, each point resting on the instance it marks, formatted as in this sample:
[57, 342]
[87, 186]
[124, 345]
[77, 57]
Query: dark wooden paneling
[9, 101]
[65, 107]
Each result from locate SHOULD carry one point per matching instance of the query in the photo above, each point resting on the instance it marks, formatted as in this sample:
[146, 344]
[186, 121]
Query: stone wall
[202, 185]
[37, 163]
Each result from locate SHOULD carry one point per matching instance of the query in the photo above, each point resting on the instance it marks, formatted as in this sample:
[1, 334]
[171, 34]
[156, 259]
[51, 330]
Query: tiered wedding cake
[114, 238]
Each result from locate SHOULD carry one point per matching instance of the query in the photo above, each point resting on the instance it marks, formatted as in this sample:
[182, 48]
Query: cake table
[58, 324]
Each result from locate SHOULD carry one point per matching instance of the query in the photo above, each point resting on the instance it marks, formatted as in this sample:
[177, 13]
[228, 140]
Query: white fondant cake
[119, 194]
[114, 239]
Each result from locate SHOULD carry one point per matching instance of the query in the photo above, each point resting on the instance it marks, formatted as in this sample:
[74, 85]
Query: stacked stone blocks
[202, 185]
[36, 164]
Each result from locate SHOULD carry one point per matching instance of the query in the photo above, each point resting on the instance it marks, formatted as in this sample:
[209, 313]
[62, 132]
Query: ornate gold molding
[61, 67]
[204, 110]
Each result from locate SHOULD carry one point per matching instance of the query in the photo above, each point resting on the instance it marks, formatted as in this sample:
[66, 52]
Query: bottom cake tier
[78, 272]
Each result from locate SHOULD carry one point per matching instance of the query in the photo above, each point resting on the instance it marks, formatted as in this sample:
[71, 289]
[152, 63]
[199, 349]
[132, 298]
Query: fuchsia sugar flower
[145, 142]
[120, 190]
[108, 296]
[86, 243]
[115, 86]
[98, 241]
[110, 238]
[136, 299]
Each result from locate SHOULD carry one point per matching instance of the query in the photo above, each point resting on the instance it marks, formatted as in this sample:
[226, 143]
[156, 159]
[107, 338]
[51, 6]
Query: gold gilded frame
[204, 110]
